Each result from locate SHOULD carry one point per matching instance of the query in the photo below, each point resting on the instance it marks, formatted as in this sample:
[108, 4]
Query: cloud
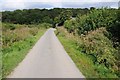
[71, 0]
[28, 4]
[89, 4]
[38, 5]
[53, 3]
[90, 1]
[42, 0]
[11, 5]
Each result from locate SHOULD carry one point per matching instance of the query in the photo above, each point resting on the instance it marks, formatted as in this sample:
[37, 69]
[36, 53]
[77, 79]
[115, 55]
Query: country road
[47, 59]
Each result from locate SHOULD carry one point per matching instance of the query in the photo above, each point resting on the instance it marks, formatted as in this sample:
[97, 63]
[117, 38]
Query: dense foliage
[108, 21]
[95, 19]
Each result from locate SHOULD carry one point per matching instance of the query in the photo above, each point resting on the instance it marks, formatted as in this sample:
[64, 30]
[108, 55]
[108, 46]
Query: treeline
[35, 16]
[99, 22]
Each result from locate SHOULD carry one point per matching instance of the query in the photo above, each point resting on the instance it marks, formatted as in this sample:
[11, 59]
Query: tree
[92, 8]
[65, 15]
[70, 25]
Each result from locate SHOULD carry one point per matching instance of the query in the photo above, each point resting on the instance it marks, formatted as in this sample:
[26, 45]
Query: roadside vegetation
[78, 48]
[93, 42]
[90, 36]
[17, 41]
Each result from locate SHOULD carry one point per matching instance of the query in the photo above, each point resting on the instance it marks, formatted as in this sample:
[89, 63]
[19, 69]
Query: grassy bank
[17, 41]
[76, 47]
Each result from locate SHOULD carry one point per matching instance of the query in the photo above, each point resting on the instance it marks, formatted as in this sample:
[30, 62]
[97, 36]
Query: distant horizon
[57, 7]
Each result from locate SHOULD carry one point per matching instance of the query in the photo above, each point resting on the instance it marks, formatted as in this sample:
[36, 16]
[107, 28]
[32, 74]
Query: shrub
[33, 31]
[70, 25]
[97, 46]
[95, 19]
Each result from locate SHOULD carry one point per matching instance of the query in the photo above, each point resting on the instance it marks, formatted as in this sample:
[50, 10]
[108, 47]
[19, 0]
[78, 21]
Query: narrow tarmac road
[47, 59]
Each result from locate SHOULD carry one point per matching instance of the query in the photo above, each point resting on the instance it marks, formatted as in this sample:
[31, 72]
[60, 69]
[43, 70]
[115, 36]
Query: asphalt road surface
[47, 59]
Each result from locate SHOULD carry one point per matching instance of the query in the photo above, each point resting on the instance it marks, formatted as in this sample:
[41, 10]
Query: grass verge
[14, 54]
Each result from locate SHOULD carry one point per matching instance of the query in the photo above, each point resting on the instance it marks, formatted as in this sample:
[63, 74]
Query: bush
[95, 19]
[97, 46]
[70, 25]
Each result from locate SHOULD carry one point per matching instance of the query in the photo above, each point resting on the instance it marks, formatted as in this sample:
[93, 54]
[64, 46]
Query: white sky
[21, 4]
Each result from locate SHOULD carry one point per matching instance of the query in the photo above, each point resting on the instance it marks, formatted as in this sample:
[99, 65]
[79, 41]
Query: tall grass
[17, 41]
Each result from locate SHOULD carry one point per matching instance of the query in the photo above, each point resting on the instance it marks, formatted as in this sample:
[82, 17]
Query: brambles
[100, 36]
[92, 53]
[100, 47]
